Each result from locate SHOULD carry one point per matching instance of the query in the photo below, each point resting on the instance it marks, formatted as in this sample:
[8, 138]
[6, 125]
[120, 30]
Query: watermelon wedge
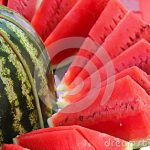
[77, 23]
[72, 136]
[124, 115]
[108, 20]
[49, 14]
[134, 72]
[12, 147]
[130, 30]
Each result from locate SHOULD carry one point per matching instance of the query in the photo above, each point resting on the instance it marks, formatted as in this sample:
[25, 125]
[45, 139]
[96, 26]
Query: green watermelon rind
[23, 24]
[141, 143]
[20, 20]
[28, 73]
[12, 31]
[41, 53]
[7, 70]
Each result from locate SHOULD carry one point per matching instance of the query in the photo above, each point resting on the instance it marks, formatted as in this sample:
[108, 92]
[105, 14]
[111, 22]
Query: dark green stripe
[6, 117]
[17, 89]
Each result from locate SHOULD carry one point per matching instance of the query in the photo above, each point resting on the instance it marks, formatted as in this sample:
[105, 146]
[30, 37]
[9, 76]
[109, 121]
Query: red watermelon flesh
[130, 30]
[134, 72]
[72, 138]
[108, 20]
[137, 55]
[4, 2]
[46, 130]
[77, 23]
[124, 114]
[49, 14]
[144, 8]
[12, 147]
[80, 60]
[53, 141]
[25, 7]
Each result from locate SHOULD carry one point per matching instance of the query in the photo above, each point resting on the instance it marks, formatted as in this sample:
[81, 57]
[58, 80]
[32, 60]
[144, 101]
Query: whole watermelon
[26, 98]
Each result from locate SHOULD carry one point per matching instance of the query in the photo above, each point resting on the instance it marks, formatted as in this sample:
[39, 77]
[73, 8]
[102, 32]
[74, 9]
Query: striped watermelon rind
[21, 22]
[24, 66]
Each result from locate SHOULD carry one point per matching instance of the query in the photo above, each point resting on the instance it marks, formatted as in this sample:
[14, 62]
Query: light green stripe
[12, 97]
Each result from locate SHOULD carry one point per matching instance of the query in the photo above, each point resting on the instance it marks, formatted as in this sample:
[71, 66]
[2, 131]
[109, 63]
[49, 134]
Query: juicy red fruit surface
[67, 138]
[4, 2]
[12, 147]
[77, 23]
[24, 7]
[49, 14]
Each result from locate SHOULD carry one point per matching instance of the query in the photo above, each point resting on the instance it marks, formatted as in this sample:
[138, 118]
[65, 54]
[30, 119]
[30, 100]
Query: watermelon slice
[77, 23]
[134, 72]
[137, 55]
[25, 7]
[50, 14]
[12, 147]
[72, 138]
[108, 20]
[130, 30]
[124, 115]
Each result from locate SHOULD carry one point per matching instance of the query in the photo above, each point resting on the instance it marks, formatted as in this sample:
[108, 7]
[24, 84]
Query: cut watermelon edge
[38, 4]
[128, 146]
[64, 63]
[50, 123]
[62, 88]
[62, 104]
[15, 141]
[141, 143]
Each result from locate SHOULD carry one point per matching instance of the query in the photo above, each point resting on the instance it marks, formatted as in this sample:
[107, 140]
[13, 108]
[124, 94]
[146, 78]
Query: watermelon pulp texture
[118, 116]
[130, 30]
[77, 23]
[131, 57]
[136, 55]
[25, 7]
[72, 137]
[49, 14]
[108, 20]
[134, 72]
[144, 8]
[12, 147]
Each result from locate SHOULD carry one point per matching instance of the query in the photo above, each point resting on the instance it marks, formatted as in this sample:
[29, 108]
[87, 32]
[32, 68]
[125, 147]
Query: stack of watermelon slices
[107, 86]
